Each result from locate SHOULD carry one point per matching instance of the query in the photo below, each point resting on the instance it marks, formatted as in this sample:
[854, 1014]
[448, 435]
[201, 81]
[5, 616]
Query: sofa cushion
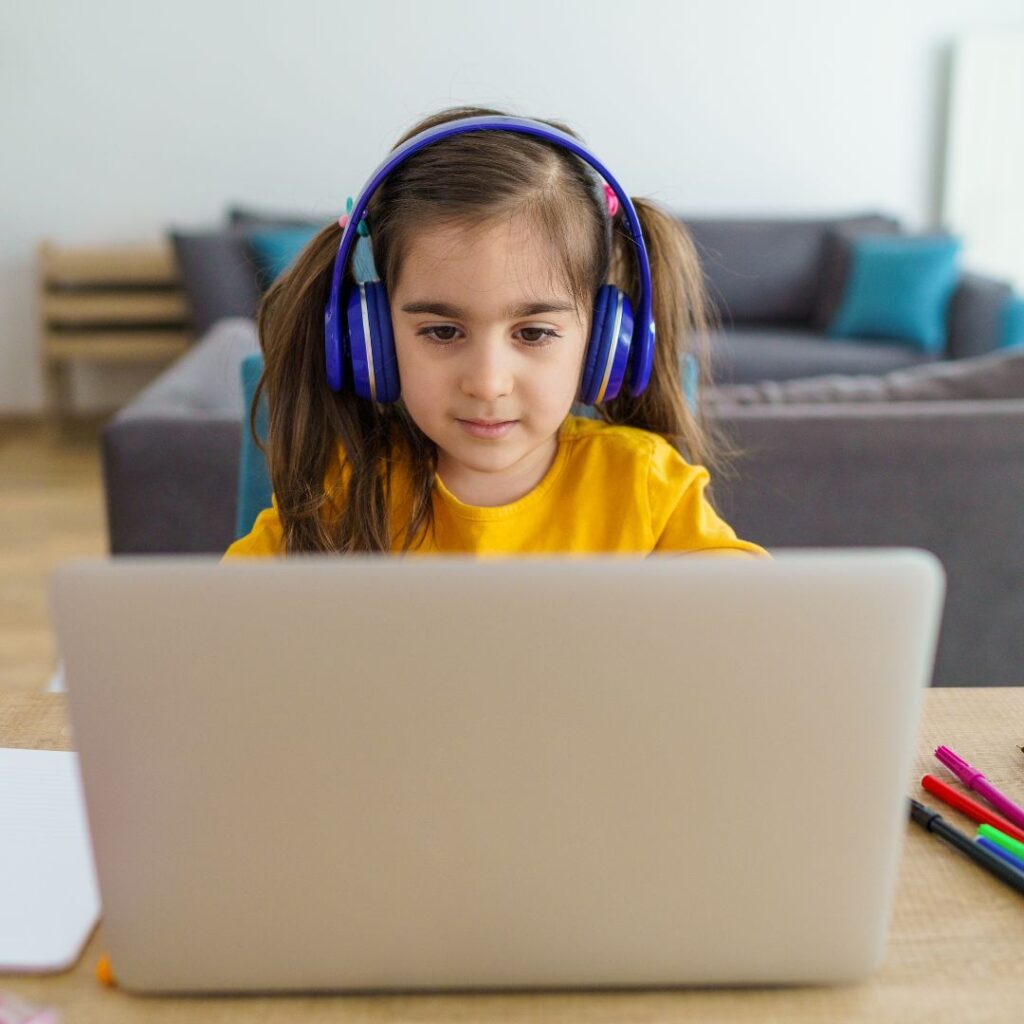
[276, 249]
[836, 257]
[765, 270]
[977, 316]
[899, 288]
[745, 355]
[1012, 323]
[218, 275]
[254, 487]
[204, 382]
[997, 375]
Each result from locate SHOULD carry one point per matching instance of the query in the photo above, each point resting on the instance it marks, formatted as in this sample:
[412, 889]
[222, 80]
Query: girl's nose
[487, 372]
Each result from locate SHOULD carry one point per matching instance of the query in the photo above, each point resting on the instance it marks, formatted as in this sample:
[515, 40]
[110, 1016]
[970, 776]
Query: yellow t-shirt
[610, 489]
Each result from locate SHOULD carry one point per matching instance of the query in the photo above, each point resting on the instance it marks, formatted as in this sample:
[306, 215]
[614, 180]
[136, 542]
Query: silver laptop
[380, 773]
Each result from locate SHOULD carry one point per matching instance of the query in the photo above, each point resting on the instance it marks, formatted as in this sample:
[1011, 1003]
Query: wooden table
[955, 953]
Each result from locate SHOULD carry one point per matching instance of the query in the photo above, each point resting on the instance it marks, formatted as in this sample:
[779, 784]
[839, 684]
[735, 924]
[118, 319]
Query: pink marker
[973, 779]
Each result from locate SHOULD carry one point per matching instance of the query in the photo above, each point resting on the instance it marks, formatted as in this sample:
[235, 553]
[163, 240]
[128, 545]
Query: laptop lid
[379, 773]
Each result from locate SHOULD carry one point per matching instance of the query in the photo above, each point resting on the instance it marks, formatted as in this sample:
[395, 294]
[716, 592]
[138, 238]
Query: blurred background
[134, 133]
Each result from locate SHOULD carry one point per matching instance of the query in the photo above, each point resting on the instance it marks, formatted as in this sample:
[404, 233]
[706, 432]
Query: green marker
[1008, 843]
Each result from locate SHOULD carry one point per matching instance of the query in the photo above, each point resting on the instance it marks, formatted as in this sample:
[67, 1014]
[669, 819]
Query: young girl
[492, 248]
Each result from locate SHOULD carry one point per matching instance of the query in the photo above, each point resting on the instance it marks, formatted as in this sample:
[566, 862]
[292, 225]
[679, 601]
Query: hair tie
[612, 200]
[362, 227]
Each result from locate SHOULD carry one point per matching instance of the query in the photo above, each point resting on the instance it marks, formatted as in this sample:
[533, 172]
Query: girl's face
[485, 331]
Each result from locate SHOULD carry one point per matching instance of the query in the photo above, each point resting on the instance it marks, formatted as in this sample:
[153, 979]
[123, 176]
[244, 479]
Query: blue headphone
[365, 340]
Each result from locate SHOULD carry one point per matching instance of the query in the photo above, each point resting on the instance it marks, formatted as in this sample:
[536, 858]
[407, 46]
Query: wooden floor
[51, 509]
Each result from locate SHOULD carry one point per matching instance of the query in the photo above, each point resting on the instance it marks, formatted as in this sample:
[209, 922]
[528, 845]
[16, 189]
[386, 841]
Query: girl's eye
[533, 337]
[539, 336]
[439, 335]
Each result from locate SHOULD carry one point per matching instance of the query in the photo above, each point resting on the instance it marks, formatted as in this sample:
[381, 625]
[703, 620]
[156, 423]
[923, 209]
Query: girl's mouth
[478, 428]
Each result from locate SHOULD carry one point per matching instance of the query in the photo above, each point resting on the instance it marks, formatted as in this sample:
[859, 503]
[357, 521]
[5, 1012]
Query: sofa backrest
[946, 476]
[769, 270]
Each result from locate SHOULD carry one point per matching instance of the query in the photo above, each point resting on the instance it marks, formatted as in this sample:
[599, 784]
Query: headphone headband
[640, 367]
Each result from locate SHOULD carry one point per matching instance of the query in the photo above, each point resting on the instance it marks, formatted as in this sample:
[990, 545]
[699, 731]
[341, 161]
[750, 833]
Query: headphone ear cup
[334, 347]
[385, 358]
[601, 300]
[623, 343]
[359, 352]
[608, 350]
[371, 343]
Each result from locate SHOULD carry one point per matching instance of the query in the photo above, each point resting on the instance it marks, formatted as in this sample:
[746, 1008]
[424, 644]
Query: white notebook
[49, 900]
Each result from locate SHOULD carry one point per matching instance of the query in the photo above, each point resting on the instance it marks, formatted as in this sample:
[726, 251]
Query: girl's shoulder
[264, 540]
[621, 451]
[617, 438]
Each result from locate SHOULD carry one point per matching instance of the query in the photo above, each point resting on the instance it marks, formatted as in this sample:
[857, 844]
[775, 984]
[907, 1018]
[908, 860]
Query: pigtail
[683, 315]
[300, 435]
[321, 510]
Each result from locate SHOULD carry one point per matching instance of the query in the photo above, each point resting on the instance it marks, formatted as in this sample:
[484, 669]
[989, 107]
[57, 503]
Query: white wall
[119, 118]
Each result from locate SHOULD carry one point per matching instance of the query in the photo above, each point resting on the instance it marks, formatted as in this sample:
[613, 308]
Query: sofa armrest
[944, 476]
[976, 315]
[171, 485]
[170, 457]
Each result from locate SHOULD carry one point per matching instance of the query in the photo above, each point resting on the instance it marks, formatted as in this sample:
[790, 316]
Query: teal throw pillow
[1013, 323]
[276, 250]
[899, 289]
[253, 477]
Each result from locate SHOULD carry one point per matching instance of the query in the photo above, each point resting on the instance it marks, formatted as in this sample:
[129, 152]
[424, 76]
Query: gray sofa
[774, 283]
[945, 474]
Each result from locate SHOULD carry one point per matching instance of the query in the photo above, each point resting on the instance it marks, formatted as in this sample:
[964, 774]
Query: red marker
[973, 810]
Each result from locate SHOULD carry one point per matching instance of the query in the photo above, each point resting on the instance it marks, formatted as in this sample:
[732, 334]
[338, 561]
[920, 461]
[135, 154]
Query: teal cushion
[691, 376]
[1013, 323]
[275, 250]
[253, 479]
[899, 289]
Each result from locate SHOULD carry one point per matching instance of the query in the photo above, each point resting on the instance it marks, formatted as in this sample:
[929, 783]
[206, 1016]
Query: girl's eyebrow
[512, 313]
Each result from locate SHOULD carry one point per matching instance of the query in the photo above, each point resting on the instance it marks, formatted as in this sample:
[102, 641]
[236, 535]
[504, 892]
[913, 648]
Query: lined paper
[49, 900]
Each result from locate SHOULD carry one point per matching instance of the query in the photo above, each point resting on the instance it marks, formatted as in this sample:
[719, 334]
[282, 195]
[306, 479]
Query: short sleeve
[264, 540]
[682, 518]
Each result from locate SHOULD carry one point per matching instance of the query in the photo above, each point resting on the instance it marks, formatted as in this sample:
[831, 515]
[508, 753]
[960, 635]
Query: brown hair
[467, 179]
